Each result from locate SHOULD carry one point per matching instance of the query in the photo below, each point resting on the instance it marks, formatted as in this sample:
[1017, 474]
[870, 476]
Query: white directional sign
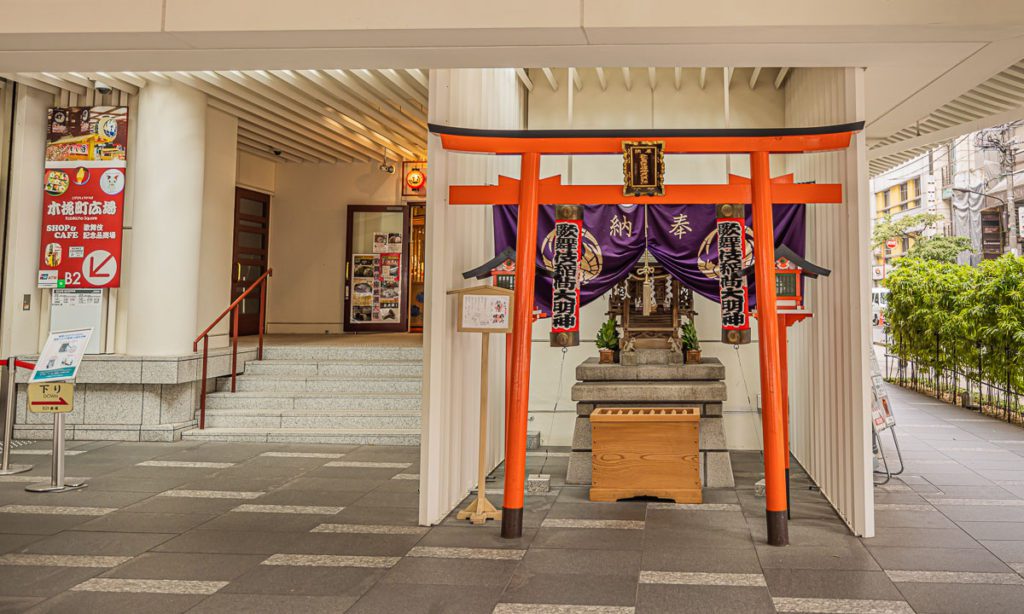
[99, 267]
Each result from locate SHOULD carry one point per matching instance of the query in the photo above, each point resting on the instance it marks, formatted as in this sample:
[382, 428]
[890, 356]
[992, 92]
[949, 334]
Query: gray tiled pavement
[231, 527]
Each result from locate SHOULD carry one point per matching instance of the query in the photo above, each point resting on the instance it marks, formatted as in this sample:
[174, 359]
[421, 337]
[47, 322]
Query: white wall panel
[828, 368]
[308, 222]
[458, 239]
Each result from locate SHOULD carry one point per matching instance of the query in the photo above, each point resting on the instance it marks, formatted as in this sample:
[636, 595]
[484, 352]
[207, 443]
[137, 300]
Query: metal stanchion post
[6, 468]
[57, 481]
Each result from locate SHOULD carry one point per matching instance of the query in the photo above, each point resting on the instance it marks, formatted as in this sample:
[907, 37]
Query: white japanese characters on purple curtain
[732, 247]
[565, 282]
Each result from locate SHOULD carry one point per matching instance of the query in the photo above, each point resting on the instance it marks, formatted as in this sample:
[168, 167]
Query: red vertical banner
[732, 253]
[567, 250]
[83, 197]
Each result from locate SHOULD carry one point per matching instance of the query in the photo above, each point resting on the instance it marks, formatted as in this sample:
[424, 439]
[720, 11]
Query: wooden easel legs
[481, 510]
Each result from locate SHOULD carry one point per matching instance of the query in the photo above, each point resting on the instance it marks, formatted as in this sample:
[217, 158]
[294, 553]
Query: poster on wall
[83, 197]
[364, 272]
[376, 287]
[389, 304]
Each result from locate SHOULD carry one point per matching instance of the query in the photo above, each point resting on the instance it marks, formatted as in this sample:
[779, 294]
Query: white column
[166, 223]
[458, 239]
[20, 333]
[218, 223]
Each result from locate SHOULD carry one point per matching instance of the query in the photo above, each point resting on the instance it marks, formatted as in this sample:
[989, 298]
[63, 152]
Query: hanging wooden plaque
[643, 168]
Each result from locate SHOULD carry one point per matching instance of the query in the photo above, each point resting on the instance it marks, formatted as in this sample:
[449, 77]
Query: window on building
[904, 192]
[885, 199]
[917, 187]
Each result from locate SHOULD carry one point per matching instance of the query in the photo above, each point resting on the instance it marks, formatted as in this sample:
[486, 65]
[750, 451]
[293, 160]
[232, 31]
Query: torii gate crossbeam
[761, 193]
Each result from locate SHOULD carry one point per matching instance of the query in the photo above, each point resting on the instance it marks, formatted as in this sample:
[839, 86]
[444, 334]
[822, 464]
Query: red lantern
[415, 179]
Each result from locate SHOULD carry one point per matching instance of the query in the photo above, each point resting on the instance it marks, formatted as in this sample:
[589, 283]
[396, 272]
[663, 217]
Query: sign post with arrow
[57, 398]
[51, 391]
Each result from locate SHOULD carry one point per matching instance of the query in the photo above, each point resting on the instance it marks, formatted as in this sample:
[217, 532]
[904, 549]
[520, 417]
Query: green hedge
[951, 319]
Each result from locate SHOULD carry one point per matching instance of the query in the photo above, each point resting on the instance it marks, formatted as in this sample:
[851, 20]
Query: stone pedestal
[649, 379]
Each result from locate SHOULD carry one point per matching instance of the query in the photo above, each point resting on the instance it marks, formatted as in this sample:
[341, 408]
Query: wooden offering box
[642, 451]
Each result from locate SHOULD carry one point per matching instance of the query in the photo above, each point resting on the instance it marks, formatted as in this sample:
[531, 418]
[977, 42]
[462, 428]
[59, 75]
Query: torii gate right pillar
[772, 422]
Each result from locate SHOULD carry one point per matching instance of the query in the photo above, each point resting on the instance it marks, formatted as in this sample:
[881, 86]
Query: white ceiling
[319, 116]
[919, 54]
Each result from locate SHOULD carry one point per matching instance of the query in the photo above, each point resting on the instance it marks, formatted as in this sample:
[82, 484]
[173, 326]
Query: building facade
[273, 135]
[969, 181]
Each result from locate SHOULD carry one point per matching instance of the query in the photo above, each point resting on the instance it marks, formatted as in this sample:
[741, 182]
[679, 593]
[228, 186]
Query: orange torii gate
[761, 191]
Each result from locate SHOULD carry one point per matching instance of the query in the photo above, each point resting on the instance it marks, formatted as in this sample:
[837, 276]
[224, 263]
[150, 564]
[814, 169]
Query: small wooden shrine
[650, 306]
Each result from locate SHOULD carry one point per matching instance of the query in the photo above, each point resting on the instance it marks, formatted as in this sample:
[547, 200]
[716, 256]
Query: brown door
[377, 269]
[249, 254]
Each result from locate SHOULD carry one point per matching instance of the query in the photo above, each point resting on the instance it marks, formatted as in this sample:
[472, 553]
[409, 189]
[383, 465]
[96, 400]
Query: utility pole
[1006, 145]
[1009, 165]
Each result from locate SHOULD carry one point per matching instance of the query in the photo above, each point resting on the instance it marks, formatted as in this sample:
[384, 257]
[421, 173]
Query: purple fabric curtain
[680, 237]
[686, 256]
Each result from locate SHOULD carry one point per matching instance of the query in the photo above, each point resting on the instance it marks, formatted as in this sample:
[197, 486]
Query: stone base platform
[130, 398]
[649, 379]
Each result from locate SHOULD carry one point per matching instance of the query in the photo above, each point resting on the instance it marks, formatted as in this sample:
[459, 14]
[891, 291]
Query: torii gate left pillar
[760, 193]
[522, 326]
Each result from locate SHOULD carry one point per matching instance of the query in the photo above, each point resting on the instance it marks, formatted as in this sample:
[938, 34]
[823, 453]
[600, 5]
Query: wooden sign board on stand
[483, 309]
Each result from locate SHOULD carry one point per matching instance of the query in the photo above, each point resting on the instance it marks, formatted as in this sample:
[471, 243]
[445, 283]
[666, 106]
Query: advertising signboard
[83, 197]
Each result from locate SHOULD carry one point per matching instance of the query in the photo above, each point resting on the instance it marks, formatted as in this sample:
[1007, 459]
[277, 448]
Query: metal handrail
[204, 336]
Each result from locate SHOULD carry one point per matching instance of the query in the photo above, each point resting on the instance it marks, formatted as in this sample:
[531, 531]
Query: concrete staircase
[320, 394]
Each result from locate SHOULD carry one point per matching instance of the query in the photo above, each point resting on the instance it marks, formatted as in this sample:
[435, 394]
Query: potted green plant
[608, 341]
[690, 342]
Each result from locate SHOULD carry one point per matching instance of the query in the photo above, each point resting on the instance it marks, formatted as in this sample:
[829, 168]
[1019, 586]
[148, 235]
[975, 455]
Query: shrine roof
[484, 270]
[809, 269]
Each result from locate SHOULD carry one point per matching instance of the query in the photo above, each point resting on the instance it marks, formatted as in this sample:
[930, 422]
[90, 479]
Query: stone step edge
[334, 361]
[312, 413]
[285, 377]
[300, 394]
[646, 383]
[298, 431]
